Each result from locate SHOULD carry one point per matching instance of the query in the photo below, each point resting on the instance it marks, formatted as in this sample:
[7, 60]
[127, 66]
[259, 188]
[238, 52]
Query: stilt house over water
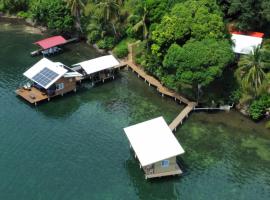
[156, 147]
[98, 69]
[49, 79]
[49, 45]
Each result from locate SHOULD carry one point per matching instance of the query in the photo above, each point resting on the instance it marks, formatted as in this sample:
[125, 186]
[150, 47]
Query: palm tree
[76, 7]
[250, 72]
[142, 23]
[110, 11]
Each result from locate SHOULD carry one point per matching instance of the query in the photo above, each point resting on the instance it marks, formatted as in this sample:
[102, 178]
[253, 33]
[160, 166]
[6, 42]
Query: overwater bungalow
[98, 69]
[156, 147]
[244, 42]
[49, 79]
[51, 45]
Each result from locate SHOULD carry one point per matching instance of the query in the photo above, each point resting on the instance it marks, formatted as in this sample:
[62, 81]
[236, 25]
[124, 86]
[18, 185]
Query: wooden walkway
[154, 82]
[180, 118]
[164, 91]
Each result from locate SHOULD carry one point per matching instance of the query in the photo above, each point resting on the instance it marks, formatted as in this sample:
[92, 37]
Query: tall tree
[142, 23]
[76, 7]
[110, 12]
[250, 72]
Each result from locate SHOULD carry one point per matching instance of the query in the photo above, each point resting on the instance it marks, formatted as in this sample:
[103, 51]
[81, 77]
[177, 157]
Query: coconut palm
[142, 23]
[110, 11]
[76, 7]
[250, 72]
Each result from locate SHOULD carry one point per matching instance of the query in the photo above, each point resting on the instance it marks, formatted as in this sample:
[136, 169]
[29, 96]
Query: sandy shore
[30, 27]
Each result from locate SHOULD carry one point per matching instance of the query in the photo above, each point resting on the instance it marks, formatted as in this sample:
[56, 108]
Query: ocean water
[74, 147]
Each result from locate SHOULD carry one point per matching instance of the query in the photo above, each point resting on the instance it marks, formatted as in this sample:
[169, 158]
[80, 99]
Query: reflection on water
[74, 147]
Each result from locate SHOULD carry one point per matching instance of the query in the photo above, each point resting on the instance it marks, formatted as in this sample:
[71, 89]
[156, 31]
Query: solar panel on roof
[45, 77]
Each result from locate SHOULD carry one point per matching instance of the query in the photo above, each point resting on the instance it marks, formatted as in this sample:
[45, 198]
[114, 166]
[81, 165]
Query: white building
[244, 43]
[156, 147]
[97, 69]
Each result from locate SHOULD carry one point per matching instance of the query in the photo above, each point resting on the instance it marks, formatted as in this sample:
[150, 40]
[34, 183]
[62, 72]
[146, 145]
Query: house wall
[69, 85]
[159, 169]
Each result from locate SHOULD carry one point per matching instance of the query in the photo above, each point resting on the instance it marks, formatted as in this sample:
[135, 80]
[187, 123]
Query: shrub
[106, 43]
[54, 14]
[24, 14]
[267, 125]
[121, 50]
[93, 36]
[14, 6]
[259, 106]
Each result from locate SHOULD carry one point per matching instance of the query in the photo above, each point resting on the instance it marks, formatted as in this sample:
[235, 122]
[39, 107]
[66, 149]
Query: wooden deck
[32, 95]
[179, 119]
[177, 171]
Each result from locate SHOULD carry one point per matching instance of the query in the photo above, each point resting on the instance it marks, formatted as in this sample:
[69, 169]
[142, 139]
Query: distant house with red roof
[244, 42]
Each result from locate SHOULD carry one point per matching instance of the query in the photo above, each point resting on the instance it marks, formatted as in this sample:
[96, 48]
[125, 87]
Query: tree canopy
[198, 62]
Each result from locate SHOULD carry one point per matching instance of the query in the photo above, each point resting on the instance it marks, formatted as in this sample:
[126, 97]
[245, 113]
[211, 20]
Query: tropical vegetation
[184, 43]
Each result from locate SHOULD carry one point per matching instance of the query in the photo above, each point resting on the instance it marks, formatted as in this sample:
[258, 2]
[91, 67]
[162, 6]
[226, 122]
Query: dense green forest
[184, 43]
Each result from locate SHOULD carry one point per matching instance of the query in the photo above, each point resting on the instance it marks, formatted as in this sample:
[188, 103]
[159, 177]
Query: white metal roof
[72, 74]
[153, 141]
[98, 64]
[56, 67]
[244, 44]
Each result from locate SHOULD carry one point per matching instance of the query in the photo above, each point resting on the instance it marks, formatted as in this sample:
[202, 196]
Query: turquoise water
[74, 146]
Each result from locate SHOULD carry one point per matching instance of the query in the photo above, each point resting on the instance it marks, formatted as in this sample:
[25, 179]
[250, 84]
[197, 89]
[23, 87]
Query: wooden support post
[149, 84]
[174, 98]
[62, 94]
[162, 95]
[48, 98]
[138, 76]
[75, 90]
[35, 103]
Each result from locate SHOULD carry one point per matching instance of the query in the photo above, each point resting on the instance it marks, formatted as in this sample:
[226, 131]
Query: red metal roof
[51, 42]
[253, 34]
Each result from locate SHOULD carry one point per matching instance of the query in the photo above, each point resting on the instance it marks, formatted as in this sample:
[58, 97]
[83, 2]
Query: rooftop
[153, 141]
[51, 42]
[245, 42]
[98, 64]
[45, 72]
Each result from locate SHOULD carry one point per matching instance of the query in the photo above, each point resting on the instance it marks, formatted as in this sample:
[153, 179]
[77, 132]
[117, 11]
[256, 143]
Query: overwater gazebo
[156, 147]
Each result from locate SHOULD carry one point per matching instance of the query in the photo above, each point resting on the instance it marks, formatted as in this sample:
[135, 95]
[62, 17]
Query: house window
[165, 163]
[59, 86]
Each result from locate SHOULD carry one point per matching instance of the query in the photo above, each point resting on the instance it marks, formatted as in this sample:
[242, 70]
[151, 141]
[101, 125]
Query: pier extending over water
[190, 105]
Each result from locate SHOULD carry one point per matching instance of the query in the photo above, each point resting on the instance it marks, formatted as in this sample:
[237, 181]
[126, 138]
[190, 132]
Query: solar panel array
[45, 77]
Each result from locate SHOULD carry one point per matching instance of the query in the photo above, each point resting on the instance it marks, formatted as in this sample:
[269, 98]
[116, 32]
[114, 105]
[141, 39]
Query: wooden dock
[164, 91]
[180, 118]
[154, 82]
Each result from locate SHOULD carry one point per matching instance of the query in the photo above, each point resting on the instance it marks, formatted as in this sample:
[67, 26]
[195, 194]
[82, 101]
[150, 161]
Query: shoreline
[30, 25]
[32, 28]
